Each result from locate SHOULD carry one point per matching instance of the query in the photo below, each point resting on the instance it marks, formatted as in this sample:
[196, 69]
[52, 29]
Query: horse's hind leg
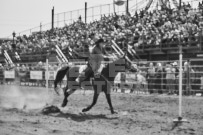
[108, 97]
[95, 97]
[55, 84]
[65, 100]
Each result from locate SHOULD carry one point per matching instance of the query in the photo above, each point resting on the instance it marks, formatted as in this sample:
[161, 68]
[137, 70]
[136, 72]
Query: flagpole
[114, 9]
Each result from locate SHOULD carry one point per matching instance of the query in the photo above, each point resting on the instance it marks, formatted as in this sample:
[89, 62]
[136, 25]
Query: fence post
[188, 85]
[100, 10]
[64, 18]
[85, 12]
[180, 83]
[70, 16]
[180, 119]
[57, 20]
[92, 13]
[47, 78]
[52, 19]
[109, 9]
[114, 8]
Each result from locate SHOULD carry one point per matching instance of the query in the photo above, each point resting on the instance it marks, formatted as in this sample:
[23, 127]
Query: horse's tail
[60, 75]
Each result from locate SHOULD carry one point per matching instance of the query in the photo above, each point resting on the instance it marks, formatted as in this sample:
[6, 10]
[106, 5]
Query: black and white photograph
[108, 67]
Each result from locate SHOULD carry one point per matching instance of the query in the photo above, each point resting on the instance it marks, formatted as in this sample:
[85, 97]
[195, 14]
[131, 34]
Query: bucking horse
[103, 83]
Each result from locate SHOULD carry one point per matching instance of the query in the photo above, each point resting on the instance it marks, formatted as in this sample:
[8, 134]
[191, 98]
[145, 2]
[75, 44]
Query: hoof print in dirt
[50, 109]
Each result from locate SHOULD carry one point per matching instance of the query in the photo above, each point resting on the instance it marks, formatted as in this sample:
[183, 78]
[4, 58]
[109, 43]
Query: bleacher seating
[144, 31]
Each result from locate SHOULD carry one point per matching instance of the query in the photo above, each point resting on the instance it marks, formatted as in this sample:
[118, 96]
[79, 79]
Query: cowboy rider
[94, 66]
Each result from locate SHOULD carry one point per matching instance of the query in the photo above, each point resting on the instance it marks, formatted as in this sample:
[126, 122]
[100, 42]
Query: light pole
[14, 34]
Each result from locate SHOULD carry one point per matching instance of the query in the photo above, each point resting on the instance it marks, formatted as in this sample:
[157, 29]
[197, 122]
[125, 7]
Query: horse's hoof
[84, 110]
[114, 112]
[64, 104]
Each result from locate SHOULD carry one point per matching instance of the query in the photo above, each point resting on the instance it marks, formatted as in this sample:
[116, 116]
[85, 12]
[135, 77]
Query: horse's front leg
[108, 97]
[66, 95]
[95, 97]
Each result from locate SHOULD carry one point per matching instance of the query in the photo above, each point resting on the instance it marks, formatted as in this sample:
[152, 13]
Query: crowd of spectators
[166, 27]
[164, 77]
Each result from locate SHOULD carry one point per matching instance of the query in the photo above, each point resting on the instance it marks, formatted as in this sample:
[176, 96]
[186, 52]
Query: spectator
[175, 66]
[170, 78]
[151, 77]
[158, 81]
[187, 78]
[143, 30]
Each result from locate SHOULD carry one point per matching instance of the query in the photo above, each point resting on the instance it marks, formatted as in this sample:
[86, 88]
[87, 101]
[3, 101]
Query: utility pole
[85, 12]
[127, 7]
[180, 4]
[114, 9]
[14, 45]
[40, 27]
[52, 19]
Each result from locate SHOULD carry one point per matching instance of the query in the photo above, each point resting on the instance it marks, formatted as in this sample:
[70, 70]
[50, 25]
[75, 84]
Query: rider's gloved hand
[97, 75]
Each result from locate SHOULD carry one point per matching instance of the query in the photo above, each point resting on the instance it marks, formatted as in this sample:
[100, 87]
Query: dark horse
[101, 83]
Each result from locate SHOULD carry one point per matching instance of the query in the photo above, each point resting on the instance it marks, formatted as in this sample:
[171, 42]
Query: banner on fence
[9, 74]
[51, 75]
[125, 77]
[37, 75]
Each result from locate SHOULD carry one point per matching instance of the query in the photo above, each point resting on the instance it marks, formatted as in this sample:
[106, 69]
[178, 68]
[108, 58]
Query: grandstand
[154, 34]
[154, 29]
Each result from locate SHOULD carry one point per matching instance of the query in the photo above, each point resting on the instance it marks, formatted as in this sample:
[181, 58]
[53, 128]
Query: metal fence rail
[142, 82]
[95, 13]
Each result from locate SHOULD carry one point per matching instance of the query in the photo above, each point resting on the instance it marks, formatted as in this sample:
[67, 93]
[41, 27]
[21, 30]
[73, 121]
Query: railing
[160, 80]
[188, 47]
[94, 13]
[191, 42]
[145, 81]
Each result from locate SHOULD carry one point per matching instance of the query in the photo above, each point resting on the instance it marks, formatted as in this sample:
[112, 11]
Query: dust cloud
[24, 97]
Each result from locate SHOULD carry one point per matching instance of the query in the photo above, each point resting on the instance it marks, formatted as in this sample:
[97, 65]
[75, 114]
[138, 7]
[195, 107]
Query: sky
[20, 15]
[23, 15]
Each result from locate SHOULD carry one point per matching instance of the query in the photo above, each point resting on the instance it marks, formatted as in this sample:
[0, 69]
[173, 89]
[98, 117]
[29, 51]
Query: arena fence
[146, 81]
[190, 82]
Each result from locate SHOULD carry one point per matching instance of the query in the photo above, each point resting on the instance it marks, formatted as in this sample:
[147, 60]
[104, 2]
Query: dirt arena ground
[20, 114]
